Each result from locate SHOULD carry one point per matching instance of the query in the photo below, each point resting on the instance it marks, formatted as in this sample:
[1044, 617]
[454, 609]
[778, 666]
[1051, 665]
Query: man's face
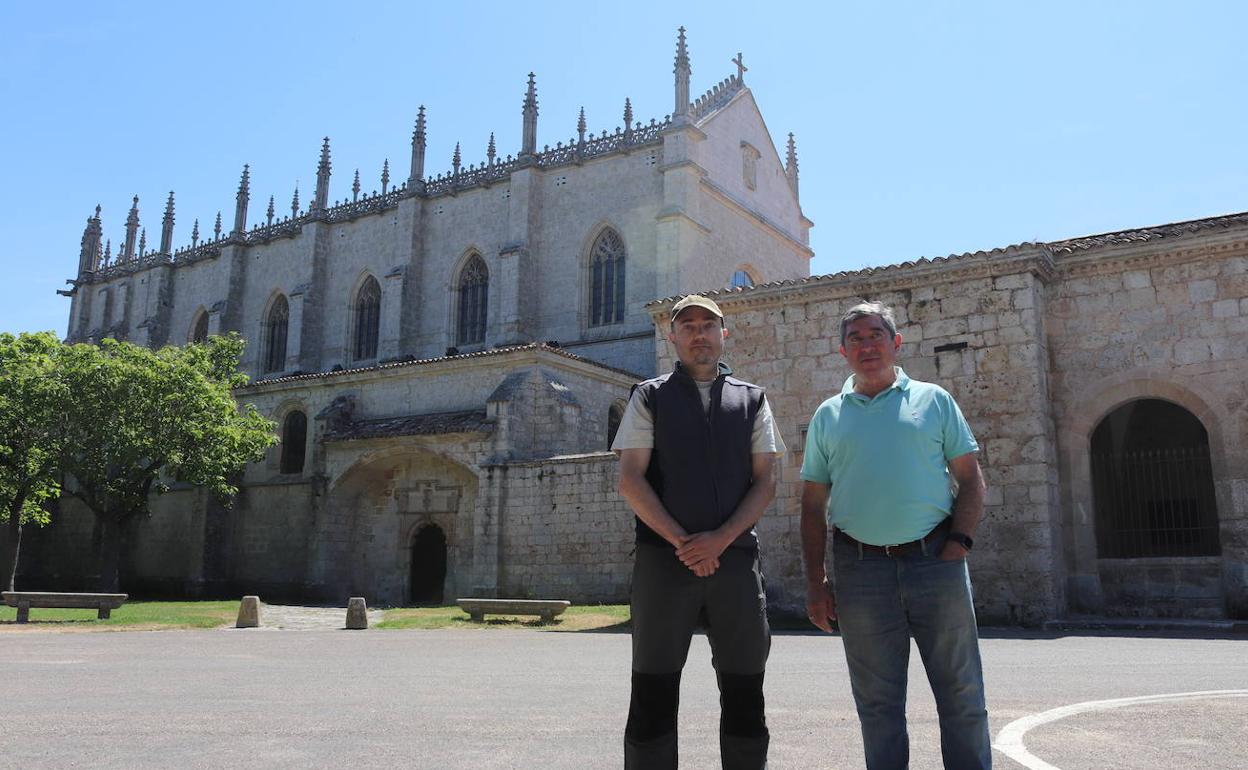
[869, 348]
[698, 337]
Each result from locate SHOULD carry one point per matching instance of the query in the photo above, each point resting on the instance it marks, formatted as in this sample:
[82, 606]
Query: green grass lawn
[131, 616]
[591, 617]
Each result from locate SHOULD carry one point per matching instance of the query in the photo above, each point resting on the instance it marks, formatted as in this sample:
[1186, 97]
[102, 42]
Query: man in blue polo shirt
[878, 461]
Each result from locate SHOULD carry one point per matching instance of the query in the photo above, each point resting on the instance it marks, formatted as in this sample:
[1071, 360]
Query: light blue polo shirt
[886, 458]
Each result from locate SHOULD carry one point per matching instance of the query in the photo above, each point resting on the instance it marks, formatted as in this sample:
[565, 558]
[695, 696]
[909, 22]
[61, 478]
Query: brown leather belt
[900, 549]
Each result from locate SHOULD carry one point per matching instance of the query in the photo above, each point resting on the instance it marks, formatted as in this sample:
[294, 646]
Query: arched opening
[741, 279]
[473, 288]
[294, 442]
[428, 565]
[1152, 483]
[199, 329]
[614, 416]
[275, 327]
[367, 320]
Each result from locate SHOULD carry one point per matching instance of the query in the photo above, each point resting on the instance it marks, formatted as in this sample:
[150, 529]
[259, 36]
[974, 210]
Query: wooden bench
[547, 609]
[24, 600]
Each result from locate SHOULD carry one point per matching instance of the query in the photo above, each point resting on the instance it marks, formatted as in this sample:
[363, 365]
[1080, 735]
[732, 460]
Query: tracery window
[199, 329]
[606, 283]
[474, 287]
[367, 320]
[294, 441]
[275, 335]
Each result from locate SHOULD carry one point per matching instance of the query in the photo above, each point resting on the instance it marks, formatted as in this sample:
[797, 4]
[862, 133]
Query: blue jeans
[881, 602]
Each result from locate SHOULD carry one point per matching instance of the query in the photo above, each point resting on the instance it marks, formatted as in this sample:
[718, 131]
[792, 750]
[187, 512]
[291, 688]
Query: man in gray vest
[697, 450]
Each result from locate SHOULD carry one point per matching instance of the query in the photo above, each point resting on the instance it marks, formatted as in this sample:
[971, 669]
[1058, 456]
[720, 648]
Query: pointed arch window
[275, 324]
[474, 287]
[199, 329]
[606, 280]
[294, 441]
[367, 320]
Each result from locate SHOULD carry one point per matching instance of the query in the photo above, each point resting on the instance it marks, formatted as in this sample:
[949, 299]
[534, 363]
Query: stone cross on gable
[741, 68]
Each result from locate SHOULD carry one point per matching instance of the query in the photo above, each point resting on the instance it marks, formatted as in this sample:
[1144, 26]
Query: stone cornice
[1148, 255]
[1024, 258]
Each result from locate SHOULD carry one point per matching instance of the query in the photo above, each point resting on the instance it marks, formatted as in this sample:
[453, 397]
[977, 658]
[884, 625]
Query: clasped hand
[700, 552]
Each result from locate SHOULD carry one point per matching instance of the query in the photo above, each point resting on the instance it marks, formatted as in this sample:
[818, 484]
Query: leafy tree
[30, 438]
[140, 419]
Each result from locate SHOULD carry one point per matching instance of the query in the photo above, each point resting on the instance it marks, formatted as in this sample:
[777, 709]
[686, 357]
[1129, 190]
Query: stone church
[446, 360]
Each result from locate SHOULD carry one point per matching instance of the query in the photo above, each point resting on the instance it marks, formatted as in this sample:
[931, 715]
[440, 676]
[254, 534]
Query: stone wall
[973, 326]
[566, 532]
[1164, 319]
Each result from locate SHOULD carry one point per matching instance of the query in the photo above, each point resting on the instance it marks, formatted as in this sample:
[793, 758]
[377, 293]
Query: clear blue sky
[923, 128]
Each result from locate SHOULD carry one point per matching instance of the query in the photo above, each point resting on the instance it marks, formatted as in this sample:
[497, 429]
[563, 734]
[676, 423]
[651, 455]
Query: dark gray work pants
[668, 603]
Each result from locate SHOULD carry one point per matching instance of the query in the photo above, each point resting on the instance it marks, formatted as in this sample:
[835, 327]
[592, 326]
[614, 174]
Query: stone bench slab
[547, 609]
[24, 600]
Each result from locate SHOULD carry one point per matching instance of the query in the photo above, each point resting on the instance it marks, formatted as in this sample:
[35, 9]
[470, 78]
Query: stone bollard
[357, 613]
[249, 613]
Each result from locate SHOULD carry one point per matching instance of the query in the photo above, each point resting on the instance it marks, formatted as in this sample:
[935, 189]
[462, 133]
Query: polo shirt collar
[901, 382]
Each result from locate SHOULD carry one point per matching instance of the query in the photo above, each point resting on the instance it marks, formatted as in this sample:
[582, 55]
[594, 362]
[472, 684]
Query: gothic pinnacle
[528, 143]
[628, 116]
[682, 52]
[195, 234]
[580, 127]
[89, 256]
[270, 211]
[294, 204]
[455, 159]
[489, 149]
[143, 241]
[166, 227]
[132, 230]
[216, 228]
[355, 186]
[385, 175]
[241, 201]
[681, 112]
[321, 197]
[418, 149]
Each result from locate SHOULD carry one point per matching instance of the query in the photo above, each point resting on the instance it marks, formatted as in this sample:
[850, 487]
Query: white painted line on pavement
[1010, 740]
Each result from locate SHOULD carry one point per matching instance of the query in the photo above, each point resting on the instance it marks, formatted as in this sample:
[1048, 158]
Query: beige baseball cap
[696, 300]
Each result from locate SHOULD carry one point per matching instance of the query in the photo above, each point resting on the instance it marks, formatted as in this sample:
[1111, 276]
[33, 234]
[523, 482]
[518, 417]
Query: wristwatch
[964, 540]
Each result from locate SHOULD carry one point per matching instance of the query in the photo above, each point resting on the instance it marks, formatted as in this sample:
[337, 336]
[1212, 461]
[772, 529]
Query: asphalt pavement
[264, 698]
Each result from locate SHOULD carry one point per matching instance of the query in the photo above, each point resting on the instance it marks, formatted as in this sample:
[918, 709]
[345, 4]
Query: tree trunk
[10, 549]
[109, 556]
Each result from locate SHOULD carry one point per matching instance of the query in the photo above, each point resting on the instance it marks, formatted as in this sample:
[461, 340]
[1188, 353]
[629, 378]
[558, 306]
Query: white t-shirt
[636, 429]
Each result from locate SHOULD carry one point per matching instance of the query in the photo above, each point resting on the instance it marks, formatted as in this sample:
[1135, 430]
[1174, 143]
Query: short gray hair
[866, 309]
